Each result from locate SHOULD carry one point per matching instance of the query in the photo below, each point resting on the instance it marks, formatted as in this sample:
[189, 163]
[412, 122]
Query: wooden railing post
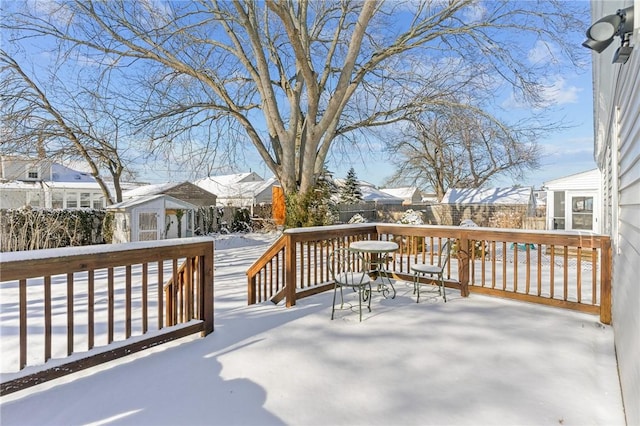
[206, 271]
[463, 264]
[605, 282]
[290, 268]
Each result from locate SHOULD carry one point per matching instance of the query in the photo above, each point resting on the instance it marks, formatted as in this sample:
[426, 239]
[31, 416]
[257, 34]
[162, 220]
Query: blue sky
[565, 152]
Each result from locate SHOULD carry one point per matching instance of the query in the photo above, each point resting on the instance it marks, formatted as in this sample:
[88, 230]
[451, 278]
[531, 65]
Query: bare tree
[297, 76]
[450, 148]
[57, 124]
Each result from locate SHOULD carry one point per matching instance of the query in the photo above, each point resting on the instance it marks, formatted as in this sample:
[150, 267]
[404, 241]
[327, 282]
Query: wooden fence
[561, 269]
[107, 300]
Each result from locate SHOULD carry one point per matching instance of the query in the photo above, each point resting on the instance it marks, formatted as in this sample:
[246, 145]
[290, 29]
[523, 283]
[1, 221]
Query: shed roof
[589, 179]
[169, 202]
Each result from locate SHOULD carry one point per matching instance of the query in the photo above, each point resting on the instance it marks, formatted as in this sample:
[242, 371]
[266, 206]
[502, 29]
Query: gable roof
[241, 188]
[369, 193]
[406, 192]
[185, 191]
[511, 195]
[589, 179]
[169, 202]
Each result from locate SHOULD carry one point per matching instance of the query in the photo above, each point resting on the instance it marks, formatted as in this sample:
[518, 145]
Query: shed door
[148, 226]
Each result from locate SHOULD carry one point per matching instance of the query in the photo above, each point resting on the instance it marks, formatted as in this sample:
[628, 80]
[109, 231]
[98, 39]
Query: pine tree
[350, 192]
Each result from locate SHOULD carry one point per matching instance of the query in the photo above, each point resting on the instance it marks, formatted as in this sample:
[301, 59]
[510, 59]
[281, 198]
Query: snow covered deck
[475, 360]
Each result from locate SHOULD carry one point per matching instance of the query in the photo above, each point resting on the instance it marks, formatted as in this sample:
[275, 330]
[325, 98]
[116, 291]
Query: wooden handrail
[114, 283]
[488, 261]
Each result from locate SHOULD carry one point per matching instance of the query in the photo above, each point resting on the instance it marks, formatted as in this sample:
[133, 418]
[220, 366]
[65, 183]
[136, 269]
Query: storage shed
[574, 202]
[152, 217]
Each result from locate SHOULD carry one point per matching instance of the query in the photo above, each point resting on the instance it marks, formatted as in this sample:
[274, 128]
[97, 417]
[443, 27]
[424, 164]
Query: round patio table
[374, 262]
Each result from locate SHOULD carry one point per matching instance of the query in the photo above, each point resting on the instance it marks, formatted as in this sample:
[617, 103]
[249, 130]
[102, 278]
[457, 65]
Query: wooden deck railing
[563, 269]
[108, 300]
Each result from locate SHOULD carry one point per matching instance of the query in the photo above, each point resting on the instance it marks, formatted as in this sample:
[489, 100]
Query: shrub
[241, 221]
[411, 217]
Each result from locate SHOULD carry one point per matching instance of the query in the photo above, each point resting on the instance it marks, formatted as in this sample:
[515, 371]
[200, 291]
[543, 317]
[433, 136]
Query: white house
[152, 217]
[617, 154]
[43, 183]
[574, 202]
[239, 190]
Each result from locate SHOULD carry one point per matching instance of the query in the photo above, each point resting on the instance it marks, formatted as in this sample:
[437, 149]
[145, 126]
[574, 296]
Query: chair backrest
[345, 263]
[445, 253]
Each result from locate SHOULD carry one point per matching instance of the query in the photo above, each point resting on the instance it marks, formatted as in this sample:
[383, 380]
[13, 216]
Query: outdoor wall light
[600, 35]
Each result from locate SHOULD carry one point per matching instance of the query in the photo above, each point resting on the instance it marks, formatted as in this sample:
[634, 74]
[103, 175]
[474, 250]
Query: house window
[33, 173]
[72, 200]
[98, 202]
[85, 200]
[57, 200]
[33, 199]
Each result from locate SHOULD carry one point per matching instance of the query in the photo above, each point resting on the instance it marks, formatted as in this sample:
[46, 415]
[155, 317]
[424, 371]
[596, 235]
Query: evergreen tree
[350, 192]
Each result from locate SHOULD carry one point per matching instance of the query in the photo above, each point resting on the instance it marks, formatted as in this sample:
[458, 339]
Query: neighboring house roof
[406, 192]
[371, 194]
[185, 191]
[511, 196]
[60, 173]
[589, 179]
[242, 188]
[410, 194]
[170, 202]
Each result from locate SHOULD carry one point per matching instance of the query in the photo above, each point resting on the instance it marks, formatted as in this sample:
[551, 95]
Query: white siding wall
[617, 132]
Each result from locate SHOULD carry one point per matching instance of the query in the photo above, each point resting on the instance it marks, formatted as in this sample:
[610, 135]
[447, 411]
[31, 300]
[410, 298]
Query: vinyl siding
[617, 147]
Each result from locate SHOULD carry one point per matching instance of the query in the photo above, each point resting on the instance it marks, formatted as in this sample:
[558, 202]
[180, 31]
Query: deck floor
[470, 361]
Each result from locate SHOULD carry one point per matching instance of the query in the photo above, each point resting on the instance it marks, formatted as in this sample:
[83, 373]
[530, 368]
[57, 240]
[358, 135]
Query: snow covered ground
[471, 361]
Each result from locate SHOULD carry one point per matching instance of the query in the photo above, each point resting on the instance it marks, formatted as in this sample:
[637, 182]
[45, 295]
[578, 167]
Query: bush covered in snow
[411, 217]
[357, 218]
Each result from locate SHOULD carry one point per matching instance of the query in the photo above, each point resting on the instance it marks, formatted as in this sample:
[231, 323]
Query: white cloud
[555, 91]
[559, 92]
[543, 52]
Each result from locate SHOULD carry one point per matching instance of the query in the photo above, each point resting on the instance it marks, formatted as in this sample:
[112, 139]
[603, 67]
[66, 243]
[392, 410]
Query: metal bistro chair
[346, 268]
[422, 269]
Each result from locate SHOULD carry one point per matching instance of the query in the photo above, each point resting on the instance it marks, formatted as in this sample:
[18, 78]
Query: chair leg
[444, 294]
[417, 287]
[333, 307]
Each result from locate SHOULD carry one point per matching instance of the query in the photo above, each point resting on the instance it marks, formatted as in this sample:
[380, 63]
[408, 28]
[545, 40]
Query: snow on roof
[18, 184]
[589, 179]
[236, 178]
[60, 173]
[170, 202]
[149, 189]
[406, 192]
[512, 195]
[371, 194]
[232, 188]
